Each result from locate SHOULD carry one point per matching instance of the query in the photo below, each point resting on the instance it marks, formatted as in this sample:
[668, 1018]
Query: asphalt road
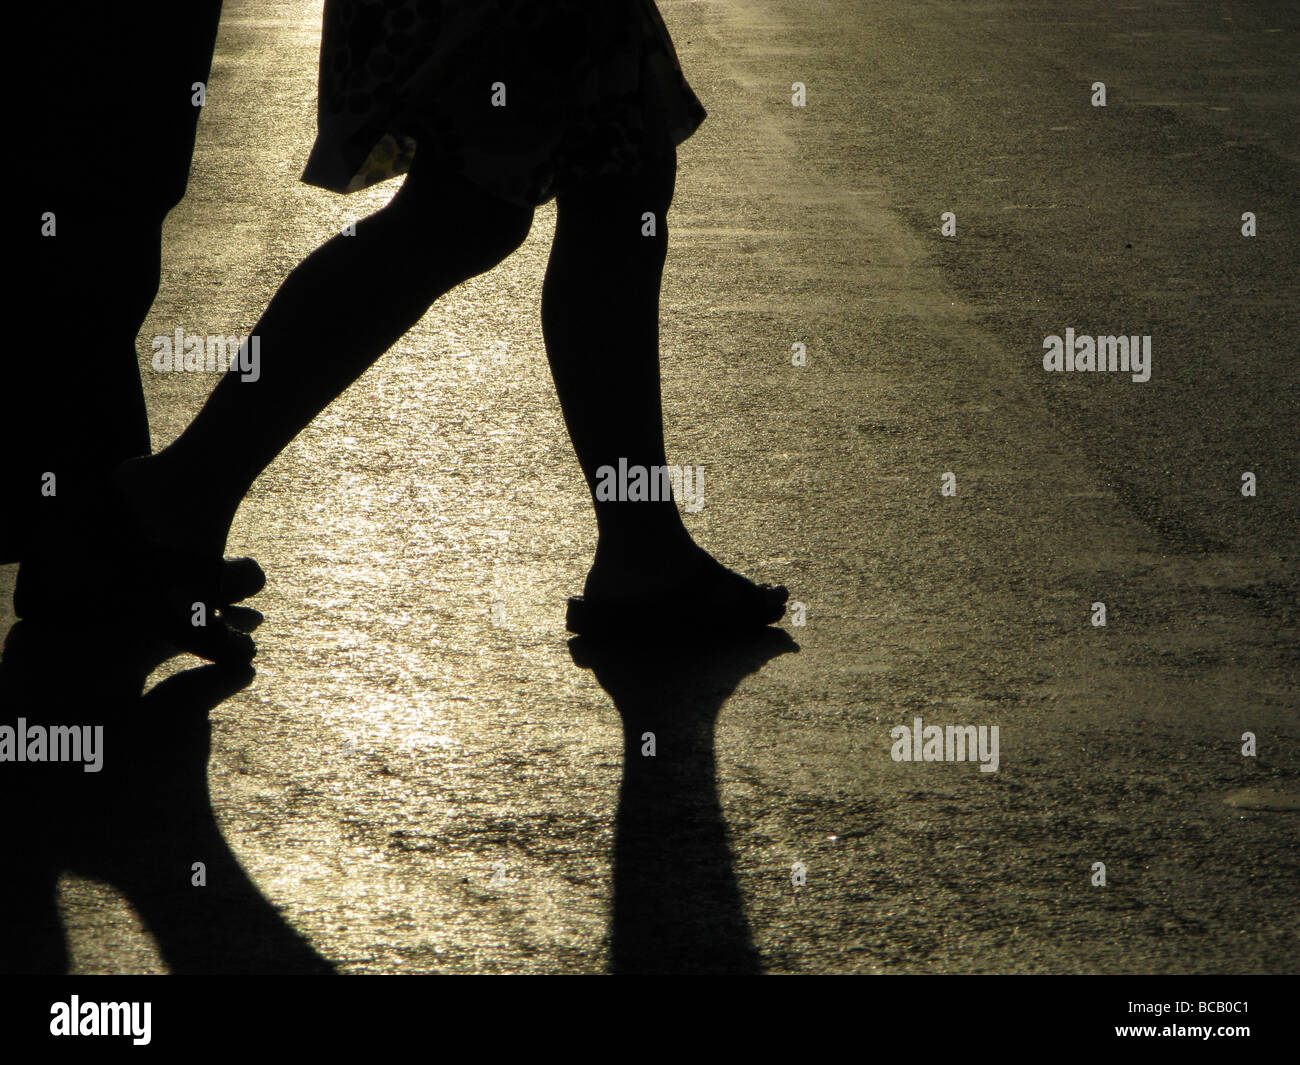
[424, 775]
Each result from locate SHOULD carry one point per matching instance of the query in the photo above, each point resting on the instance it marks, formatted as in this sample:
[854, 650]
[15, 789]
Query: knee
[459, 219]
[481, 235]
[626, 215]
[499, 228]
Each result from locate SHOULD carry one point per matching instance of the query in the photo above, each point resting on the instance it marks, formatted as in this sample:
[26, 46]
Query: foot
[687, 587]
[46, 584]
[172, 571]
[166, 509]
[145, 502]
[71, 562]
[646, 575]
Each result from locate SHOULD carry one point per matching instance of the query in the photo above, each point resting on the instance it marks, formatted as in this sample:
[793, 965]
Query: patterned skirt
[521, 96]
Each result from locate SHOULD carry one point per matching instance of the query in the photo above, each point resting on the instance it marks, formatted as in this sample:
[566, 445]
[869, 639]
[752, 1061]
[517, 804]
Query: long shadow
[677, 907]
[141, 822]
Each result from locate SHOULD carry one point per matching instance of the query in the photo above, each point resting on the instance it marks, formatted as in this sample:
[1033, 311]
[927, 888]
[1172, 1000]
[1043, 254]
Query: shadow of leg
[226, 925]
[677, 906]
[31, 942]
[51, 676]
[144, 818]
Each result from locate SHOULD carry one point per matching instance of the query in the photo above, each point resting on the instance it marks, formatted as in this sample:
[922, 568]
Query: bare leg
[600, 318]
[339, 310]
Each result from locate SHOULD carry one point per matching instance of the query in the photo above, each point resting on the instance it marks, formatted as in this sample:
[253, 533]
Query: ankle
[167, 504]
[641, 551]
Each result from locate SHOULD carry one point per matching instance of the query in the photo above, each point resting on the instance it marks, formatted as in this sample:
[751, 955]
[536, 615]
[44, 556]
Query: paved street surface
[425, 776]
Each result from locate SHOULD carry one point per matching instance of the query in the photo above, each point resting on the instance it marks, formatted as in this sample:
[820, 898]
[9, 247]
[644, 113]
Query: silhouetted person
[501, 104]
[117, 102]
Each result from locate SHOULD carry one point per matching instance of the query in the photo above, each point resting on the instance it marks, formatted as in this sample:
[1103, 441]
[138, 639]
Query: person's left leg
[335, 314]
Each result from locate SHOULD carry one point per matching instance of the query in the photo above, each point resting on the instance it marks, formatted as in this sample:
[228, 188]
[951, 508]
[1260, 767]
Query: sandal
[178, 594]
[41, 585]
[728, 602]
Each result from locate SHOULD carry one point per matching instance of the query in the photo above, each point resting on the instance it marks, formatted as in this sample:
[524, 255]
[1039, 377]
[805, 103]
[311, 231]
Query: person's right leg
[600, 319]
[339, 310]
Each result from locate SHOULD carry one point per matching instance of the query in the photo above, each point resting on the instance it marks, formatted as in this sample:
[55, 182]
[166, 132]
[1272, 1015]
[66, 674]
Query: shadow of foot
[677, 906]
[142, 820]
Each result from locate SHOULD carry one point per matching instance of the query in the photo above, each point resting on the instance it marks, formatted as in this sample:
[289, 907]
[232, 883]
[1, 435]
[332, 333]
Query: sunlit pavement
[425, 776]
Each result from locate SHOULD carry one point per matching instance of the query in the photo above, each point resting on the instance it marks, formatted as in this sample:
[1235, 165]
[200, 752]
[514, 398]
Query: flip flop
[175, 593]
[41, 586]
[728, 602]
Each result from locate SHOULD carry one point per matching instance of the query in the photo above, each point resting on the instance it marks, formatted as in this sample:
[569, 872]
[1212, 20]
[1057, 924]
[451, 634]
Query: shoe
[717, 600]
